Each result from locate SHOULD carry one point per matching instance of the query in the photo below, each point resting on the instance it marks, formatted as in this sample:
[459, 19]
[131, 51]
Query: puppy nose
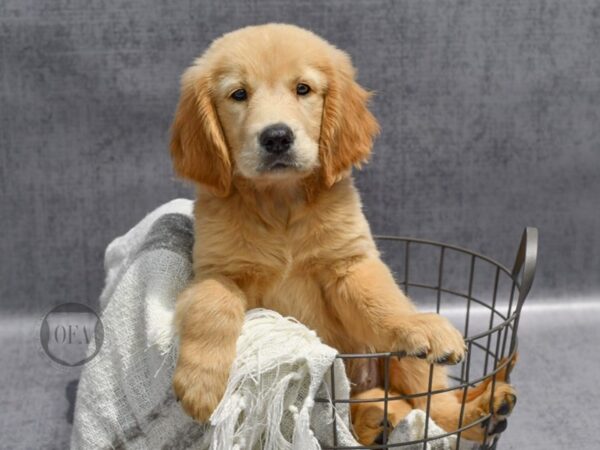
[276, 138]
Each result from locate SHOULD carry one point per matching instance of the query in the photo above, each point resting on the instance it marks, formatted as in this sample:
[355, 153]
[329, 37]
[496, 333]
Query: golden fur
[293, 240]
[405, 375]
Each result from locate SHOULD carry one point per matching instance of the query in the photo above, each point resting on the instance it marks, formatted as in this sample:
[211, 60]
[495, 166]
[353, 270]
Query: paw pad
[500, 427]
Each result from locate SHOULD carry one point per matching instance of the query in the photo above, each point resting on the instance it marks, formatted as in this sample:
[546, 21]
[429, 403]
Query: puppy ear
[198, 147]
[347, 127]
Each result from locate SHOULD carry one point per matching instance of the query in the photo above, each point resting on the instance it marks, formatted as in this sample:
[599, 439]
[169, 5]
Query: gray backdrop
[489, 111]
[490, 114]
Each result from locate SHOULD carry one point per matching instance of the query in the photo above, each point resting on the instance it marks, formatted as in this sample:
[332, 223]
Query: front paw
[199, 389]
[432, 337]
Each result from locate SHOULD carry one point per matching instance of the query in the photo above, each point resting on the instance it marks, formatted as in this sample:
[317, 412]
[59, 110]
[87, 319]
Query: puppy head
[272, 104]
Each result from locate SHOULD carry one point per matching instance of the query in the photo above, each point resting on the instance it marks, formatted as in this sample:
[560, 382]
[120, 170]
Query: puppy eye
[302, 89]
[240, 95]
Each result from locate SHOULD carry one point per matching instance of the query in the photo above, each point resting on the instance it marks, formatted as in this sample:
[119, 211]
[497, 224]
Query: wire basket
[480, 296]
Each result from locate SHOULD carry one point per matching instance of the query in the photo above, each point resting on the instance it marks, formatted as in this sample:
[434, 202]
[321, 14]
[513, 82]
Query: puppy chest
[291, 294]
[290, 288]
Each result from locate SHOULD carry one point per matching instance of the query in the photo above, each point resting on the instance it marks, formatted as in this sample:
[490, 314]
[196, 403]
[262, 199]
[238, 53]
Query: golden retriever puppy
[269, 124]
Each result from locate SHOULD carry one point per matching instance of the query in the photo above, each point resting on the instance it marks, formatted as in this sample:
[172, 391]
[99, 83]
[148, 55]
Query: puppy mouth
[279, 164]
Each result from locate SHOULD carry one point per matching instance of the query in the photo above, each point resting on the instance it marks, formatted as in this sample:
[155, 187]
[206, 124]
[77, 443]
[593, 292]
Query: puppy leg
[375, 312]
[501, 376]
[411, 376]
[495, 398]
[209, 317]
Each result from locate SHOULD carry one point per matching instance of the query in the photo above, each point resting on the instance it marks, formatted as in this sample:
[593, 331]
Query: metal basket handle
[526, 260]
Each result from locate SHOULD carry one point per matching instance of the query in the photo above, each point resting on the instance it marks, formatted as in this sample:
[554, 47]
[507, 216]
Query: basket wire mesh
[492, 302]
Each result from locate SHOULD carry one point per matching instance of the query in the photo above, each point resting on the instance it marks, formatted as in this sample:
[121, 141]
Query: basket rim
[458, 248]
